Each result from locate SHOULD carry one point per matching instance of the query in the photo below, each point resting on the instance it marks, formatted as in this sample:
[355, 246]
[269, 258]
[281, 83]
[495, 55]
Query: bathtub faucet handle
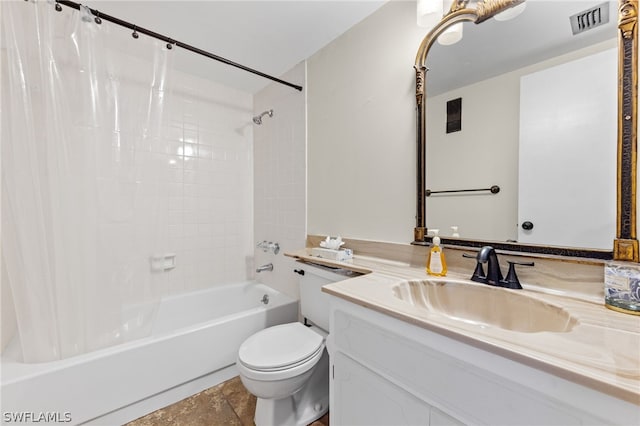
[269, 246]
[275, 247]
[264, 245]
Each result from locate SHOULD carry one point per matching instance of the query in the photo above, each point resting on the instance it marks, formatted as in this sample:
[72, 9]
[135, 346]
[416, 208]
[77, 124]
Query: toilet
[287, 366]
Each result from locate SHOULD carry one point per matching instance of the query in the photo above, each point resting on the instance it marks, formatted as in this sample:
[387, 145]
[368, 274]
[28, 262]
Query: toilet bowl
[287, 368]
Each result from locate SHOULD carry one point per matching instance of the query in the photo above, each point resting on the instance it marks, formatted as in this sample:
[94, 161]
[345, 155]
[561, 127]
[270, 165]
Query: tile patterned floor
[228, 404]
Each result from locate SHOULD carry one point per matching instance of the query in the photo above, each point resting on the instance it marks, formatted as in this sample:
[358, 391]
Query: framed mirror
[503, 88]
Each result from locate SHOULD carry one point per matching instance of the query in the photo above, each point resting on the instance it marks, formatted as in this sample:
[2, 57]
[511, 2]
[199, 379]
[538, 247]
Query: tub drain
[265, 299]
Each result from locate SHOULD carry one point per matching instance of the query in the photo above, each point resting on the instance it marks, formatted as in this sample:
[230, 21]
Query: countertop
[601, 351]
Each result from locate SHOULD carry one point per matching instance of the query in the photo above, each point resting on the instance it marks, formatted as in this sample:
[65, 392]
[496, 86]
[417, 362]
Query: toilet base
[303, 407]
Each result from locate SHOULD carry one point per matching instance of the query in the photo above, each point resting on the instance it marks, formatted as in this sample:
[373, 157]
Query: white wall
[280, 178]
[482, 154]
[361, 131]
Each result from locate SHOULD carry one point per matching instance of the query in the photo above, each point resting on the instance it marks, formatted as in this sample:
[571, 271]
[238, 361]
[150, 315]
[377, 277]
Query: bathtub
[193, 346]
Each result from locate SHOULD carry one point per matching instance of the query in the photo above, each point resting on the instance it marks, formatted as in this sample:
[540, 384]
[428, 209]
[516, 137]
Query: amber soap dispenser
[436, 263]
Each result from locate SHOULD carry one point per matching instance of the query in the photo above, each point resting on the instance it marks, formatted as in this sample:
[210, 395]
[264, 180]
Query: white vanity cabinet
[373, 400]
[385, 371]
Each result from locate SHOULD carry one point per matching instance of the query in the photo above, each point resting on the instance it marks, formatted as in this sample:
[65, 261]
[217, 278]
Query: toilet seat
[280, 352]
[279, 347]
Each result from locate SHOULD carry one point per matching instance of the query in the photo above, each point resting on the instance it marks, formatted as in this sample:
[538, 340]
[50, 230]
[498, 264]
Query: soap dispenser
[436, 263]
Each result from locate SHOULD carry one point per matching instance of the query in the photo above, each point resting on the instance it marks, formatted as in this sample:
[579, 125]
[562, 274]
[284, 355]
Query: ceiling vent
[590, 18]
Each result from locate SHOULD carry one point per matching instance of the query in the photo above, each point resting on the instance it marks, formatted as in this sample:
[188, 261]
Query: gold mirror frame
[625, 245]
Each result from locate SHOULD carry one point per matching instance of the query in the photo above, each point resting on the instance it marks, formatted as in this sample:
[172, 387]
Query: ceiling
[270, 36]
[491, 48]
[273, 36]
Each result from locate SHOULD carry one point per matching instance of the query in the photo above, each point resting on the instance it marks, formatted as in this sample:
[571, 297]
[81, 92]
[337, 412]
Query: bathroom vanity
[406, 349]
[386, 371]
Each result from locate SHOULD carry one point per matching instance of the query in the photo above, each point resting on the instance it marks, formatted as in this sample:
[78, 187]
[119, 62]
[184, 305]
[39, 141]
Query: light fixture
[453, 34]
[511, 13]
[429, 12]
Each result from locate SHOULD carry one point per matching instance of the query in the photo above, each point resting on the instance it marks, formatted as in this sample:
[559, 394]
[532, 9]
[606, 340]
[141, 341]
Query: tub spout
[267, 267]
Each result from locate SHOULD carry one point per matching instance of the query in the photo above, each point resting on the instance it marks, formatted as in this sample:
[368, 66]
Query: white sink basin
[485, 305]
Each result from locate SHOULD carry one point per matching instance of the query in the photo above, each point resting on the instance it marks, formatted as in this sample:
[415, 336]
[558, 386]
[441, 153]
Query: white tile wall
[205, 155]
[208, 142]
[280, 178]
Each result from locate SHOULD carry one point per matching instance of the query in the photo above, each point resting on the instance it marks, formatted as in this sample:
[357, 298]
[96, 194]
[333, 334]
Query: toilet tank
[314, 304]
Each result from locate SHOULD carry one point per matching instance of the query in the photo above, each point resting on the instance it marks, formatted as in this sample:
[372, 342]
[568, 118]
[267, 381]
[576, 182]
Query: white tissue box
[339, 255]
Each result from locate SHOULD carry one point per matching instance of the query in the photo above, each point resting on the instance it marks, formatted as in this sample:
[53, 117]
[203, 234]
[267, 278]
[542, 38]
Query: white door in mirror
[567, 167]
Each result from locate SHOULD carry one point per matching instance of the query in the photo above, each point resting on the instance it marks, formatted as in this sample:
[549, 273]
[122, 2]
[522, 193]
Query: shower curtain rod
[135, 28]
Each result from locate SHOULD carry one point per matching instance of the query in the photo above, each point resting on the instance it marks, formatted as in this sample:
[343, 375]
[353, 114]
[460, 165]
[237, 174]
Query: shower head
[258, 118]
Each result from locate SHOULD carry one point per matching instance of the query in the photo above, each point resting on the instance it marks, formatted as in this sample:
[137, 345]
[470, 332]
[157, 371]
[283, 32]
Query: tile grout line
[233, 408]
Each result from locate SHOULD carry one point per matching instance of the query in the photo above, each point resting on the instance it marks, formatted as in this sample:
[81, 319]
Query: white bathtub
[193, 346]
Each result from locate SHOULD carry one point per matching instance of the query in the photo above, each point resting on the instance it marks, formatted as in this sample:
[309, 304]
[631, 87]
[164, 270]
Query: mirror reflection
[532, 110]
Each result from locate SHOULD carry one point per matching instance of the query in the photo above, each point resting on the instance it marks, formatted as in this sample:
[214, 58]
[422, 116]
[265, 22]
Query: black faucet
[487, 254]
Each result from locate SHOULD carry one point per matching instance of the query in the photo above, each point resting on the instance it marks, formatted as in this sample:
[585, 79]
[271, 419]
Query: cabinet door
[365, 398]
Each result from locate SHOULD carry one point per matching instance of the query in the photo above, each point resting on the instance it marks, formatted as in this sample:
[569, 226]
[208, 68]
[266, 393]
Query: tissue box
[622, 287]
[339, 255]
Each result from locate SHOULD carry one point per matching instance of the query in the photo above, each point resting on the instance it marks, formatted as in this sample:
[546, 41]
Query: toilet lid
[279, 346]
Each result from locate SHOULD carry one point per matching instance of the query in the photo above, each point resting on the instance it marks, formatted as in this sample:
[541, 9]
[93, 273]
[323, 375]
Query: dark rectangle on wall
[454, 115]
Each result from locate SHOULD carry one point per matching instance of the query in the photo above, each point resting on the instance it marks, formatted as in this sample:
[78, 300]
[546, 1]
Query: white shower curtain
[84, 207]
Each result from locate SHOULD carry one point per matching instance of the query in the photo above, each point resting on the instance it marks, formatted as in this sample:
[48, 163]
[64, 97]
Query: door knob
[527, 226]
